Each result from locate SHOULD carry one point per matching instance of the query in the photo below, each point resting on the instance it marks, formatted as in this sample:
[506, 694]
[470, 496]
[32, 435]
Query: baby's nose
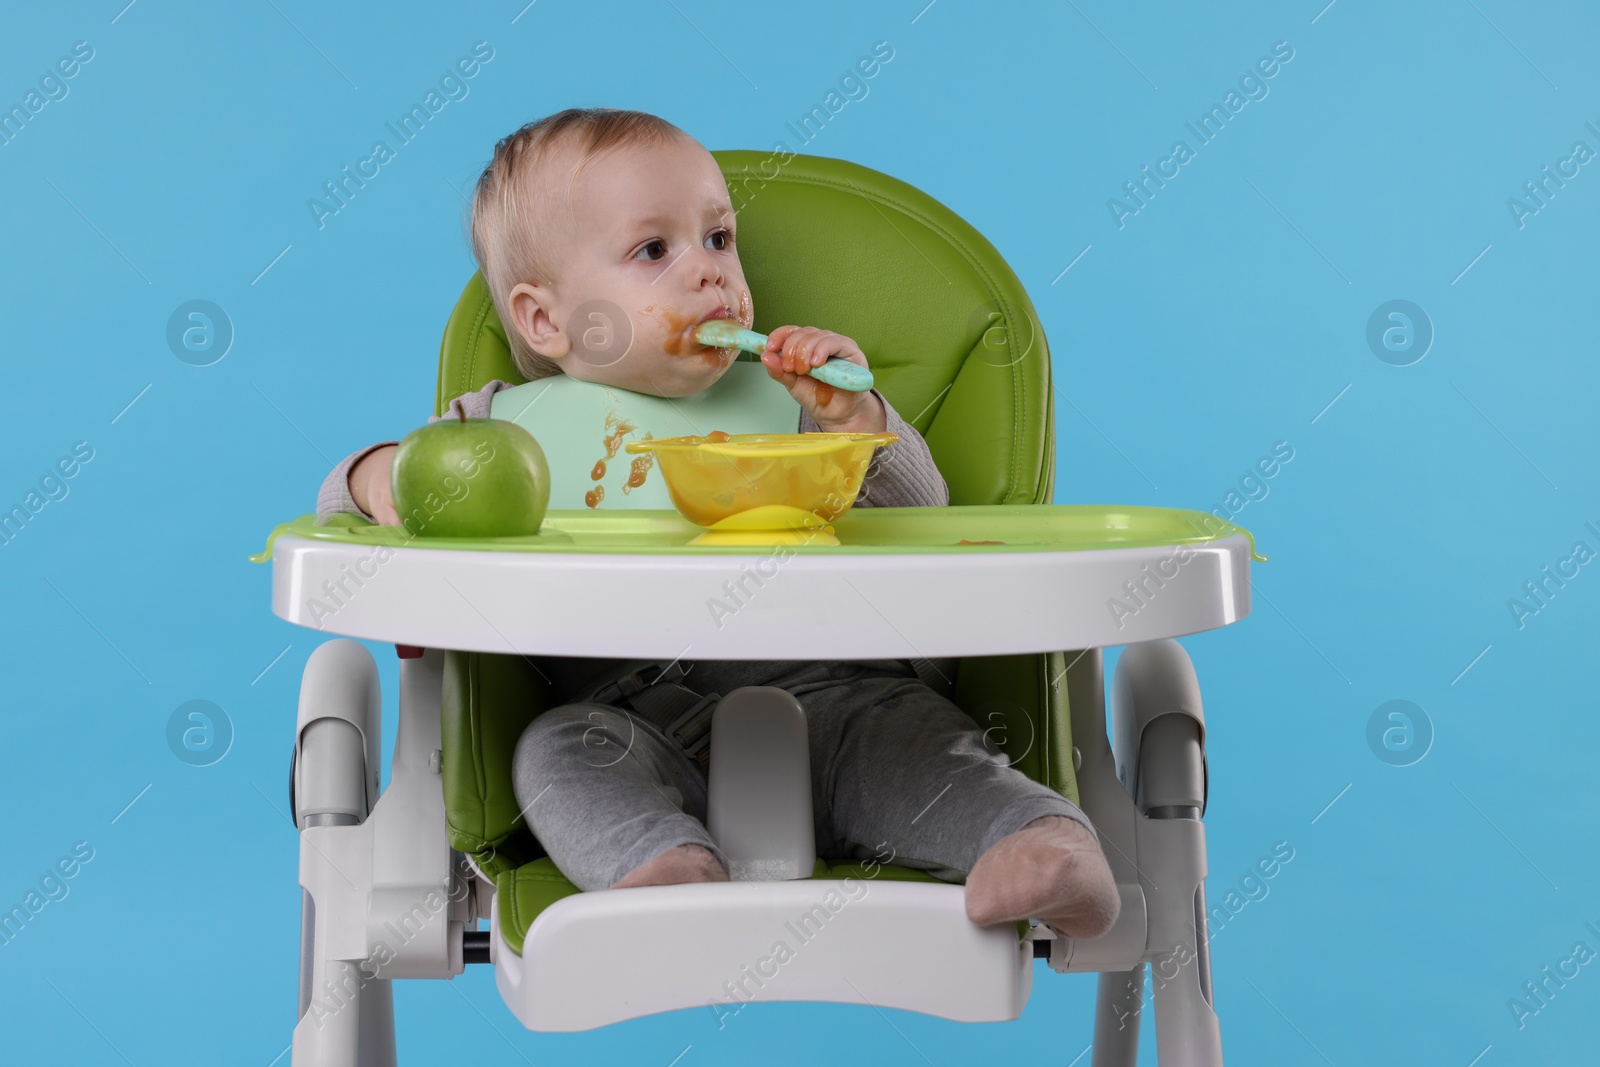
[708, 269]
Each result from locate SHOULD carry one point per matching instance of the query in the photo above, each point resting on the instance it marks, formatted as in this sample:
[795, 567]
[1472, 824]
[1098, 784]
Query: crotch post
[758, 807]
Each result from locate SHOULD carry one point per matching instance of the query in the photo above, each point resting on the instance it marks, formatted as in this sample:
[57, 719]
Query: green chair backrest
[951, 335]
[955, 345]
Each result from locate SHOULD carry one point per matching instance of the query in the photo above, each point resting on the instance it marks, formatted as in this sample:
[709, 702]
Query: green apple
[470, 478]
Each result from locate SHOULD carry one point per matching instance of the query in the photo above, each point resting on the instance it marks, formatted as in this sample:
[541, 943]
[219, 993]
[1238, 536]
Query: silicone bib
[582, 427]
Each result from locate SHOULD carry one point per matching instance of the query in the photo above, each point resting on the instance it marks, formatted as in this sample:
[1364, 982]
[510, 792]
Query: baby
[624, 212]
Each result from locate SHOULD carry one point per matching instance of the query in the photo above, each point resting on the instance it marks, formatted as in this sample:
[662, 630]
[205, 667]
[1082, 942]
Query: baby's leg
[914, 780]
[614, 802]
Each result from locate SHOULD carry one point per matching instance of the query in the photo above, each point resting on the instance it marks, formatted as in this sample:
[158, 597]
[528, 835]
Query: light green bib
[582, 428]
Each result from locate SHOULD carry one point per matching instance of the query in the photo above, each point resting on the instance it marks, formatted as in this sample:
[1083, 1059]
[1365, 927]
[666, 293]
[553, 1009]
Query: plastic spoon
[839, 373]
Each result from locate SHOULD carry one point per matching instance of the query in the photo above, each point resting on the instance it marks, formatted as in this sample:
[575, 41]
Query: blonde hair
[511, 210]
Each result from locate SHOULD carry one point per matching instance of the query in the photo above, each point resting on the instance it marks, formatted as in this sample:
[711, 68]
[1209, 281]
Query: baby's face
[646, 254]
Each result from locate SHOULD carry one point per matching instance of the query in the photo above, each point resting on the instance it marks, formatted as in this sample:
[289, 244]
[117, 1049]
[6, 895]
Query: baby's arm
[360, 483]
[901, 475]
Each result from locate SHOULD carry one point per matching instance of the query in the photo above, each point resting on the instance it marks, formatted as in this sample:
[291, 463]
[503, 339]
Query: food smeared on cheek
[676, 324]
[678, 343]
[747, 309]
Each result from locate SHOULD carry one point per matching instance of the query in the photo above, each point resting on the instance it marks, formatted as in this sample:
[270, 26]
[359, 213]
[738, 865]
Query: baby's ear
[531, 318]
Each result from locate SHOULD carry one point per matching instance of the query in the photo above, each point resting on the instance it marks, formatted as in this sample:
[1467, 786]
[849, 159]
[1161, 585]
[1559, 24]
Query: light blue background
[1224, 317]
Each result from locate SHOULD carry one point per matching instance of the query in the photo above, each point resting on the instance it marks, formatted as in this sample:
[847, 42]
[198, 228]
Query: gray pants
[898, 774]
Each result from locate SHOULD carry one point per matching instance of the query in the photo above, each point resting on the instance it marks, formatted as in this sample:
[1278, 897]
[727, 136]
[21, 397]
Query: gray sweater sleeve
[901, 475]
[334, 496]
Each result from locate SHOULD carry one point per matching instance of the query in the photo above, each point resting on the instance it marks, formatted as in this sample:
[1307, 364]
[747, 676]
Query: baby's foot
[681, 863]
[1052, 870]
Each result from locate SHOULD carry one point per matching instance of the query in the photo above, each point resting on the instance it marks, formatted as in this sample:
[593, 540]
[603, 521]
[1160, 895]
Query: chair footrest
[597, 958]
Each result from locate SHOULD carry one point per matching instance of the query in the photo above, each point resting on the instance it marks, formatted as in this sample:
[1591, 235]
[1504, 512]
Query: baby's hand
[793, 350]
[369, 485]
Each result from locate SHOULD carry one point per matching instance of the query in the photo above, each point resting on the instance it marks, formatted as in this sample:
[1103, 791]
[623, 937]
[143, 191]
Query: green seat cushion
[488, 700]
[522, 893]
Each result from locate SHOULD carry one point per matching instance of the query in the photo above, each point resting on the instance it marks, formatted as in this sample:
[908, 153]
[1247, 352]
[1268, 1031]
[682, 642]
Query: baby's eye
[720, 240]
[652, 251]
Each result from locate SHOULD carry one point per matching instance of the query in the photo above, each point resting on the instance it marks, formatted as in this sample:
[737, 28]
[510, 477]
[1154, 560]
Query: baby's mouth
[722, 312]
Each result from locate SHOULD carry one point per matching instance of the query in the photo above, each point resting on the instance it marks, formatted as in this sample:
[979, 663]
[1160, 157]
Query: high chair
[1022, 594]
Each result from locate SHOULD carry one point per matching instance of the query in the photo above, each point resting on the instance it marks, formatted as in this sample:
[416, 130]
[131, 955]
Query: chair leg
[1187, 1030]
[377, 1024]
[1118, 1005]
[358, 1032]
[346, 1016]
[1159, 716]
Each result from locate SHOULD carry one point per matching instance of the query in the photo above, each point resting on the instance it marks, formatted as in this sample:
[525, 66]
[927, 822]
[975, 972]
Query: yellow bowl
[710, 480]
